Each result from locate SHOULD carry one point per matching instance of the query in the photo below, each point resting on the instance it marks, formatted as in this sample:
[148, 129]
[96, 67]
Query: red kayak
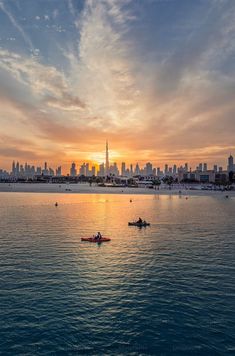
[92, 239]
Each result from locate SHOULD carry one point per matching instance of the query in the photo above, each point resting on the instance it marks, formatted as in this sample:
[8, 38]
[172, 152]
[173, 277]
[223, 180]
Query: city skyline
[154, 77]
[112, 168]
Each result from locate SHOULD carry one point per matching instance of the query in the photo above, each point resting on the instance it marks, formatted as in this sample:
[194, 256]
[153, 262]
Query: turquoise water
[167, 289]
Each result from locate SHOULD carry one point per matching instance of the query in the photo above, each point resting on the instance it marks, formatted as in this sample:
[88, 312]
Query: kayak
[135, 223]
[92, 239]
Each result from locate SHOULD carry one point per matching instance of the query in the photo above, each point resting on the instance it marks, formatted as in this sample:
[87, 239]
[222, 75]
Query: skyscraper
[149, 169]
[58, 171]
[17, 169]
[123, 170]
[87, 170]
[73, 171]
[137, 169]
[13, 168]
[166, 169]
[101, 172]
[107, 159]
[230, 164]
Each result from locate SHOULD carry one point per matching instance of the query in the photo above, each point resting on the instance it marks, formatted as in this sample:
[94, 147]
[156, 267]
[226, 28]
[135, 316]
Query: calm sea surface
[168, 289]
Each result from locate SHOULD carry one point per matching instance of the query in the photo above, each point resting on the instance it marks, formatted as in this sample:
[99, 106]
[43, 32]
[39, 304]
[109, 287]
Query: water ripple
[163, 290]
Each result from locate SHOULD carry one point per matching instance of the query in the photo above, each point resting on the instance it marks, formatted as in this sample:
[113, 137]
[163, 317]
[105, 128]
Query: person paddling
[98, 236]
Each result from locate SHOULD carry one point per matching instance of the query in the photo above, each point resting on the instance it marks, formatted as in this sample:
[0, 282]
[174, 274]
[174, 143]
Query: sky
[154, 77]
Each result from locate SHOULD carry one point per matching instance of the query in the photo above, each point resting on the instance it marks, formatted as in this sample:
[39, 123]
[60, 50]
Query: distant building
[38, 171]
[58, 171]
[73, 171]
[137, 170]
[93, 171]
[87, 170]
[82, 170]
[166, 169]
[45, 170]
[123, 169]
[149, 169]
[101, 171]
[231, 167]
[107, 159]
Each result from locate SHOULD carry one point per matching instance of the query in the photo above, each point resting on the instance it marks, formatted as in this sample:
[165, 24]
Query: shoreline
[87, 189]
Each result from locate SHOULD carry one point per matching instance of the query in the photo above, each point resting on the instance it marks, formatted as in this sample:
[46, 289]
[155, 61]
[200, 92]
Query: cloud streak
[16, 25]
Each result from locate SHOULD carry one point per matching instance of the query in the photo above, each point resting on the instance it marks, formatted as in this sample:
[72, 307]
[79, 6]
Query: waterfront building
[73, 171]
[93, 170]
[17, 169]
[149, 169]
[59, 171]
[137, 170]
[38, 170]
[45, 170]
[123, 169]
[51, 172]
[13, 169]
[107, 159]
[166, 169]
[131, 170]
[82, 170]
[87, 170]
[101, 172]
[230, 164]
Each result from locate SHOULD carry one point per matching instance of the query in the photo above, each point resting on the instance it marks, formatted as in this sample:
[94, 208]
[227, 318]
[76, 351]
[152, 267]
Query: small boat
[93, 239]
[136, 223]
[56, 204]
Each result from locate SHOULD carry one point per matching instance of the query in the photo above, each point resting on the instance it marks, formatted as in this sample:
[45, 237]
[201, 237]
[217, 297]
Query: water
[168, 289]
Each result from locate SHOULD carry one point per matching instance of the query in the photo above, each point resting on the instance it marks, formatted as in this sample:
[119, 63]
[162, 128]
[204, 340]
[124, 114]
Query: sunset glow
[155, 78]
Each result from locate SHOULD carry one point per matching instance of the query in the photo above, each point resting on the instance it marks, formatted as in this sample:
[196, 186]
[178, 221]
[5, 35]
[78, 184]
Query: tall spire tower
[107, 158]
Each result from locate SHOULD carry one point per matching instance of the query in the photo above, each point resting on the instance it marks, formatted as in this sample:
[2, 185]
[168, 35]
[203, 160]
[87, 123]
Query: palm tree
[156, 183]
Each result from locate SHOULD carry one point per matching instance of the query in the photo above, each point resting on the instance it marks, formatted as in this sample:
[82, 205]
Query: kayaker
[98, 236]
[140, 221]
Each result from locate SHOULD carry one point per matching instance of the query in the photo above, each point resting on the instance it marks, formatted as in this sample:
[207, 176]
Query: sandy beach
[94, 189]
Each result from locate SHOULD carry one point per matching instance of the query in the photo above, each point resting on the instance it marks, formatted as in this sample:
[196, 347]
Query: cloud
[66, 102]
[16, 25]
[55, 13]
[173, 106]
[44, 82]
[102, 68]
[71, 8]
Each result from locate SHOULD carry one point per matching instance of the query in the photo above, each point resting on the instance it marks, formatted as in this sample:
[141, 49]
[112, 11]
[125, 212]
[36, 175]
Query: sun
[99, 157]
